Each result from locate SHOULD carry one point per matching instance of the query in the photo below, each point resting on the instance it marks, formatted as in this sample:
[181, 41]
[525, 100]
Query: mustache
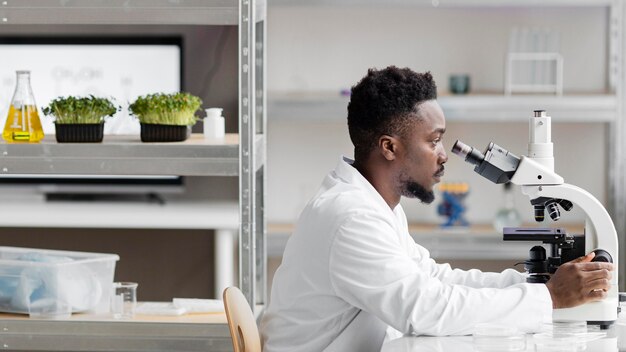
[440, 172]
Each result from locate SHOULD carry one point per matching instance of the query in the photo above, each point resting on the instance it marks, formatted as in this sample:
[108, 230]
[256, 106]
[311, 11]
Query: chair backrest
[241, 322]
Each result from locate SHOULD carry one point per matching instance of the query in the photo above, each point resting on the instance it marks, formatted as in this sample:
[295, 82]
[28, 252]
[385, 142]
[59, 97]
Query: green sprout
[86, 110]
[166, 109]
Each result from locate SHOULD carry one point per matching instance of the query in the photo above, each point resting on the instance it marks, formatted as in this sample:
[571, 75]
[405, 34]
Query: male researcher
[351, 269]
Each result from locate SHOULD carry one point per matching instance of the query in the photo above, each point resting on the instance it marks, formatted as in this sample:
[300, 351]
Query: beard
[412, 189]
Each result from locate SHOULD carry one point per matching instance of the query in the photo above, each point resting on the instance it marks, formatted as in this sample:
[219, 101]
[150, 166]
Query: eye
[436, 141]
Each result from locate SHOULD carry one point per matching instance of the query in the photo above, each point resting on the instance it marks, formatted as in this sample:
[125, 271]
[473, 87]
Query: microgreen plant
[80, 110]
[166, 109]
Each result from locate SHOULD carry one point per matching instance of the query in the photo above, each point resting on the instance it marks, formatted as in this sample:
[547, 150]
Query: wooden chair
[241, 322]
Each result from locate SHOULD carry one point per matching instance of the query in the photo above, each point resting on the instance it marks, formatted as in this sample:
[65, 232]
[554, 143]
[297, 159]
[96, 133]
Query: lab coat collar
[351, 175]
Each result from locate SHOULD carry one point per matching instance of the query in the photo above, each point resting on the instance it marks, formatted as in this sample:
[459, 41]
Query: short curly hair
[383, 103]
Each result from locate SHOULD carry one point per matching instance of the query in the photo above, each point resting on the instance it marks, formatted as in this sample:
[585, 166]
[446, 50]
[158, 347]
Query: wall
[326, 48]
[330, 48]
[301, 154]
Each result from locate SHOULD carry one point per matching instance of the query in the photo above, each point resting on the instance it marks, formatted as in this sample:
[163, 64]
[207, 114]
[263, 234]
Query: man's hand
[579, 281]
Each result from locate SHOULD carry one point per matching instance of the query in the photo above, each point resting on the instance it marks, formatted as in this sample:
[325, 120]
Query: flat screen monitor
[122, 68]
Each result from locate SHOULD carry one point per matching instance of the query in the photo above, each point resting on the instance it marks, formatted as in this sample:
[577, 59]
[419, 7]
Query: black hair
[383, 102]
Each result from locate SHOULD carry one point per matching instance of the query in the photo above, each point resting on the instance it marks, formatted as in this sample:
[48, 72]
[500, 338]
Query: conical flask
[23, 124]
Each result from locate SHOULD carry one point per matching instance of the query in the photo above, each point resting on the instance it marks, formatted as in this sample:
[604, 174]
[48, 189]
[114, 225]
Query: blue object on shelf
[452, 206]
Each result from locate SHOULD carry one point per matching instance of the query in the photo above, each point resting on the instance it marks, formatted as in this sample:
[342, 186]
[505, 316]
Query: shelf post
[247, 152]
[617, 131]
[261, 127]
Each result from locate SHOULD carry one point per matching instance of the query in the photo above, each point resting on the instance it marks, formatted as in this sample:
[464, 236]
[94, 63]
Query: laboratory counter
[83, 332]
[610, 340]
[209, 332]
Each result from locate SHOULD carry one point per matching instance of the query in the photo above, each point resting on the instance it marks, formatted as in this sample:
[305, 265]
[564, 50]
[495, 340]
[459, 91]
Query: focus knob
[602, 256]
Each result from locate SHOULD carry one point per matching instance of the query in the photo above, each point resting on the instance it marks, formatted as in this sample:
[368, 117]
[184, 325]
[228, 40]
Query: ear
[388, 146]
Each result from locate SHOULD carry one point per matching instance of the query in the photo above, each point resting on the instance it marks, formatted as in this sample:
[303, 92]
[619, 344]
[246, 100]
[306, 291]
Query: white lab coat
[350, 269]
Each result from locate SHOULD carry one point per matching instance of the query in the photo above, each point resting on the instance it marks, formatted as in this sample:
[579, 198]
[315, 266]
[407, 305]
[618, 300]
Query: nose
[443, 156]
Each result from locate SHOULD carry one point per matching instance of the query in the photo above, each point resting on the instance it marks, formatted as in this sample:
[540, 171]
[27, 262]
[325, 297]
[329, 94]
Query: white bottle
[214, 124]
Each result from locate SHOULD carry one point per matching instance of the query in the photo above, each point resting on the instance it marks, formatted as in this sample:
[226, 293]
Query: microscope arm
[599, 229]
[537, 181]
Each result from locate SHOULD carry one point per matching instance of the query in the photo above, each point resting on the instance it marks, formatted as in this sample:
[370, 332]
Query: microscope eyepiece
[469, 154]
[496, 164]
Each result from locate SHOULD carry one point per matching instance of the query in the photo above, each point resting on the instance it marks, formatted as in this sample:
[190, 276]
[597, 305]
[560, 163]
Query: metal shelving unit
[451, 3]
[162, 12]
[240, 155]
[119, 155]
[468, 108]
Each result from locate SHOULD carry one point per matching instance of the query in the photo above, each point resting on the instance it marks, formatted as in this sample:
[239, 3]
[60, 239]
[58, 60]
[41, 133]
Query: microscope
[548, 191]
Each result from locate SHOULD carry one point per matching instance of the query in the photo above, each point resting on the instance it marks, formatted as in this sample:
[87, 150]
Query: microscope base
[603, 313]
[604, 325]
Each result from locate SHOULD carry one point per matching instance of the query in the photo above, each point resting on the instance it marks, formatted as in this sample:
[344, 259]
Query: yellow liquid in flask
[23, 125]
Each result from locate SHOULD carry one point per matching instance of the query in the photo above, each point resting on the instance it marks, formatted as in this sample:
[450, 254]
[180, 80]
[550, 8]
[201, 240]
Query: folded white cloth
[159, 308]
[196, 305]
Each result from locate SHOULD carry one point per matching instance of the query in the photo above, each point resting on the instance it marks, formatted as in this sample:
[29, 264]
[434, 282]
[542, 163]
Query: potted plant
[166, 117]
[79, 119]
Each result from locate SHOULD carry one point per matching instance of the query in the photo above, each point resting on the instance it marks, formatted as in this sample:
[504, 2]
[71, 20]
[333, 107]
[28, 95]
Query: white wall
[329, 48]
[301, 154]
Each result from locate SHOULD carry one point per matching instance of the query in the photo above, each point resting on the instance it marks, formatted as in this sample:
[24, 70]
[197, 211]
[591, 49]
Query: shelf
[126, 155]
[478, 242]
[173, 214]
[161, 12]
[461, 108]
[450, 3]
[84, 332]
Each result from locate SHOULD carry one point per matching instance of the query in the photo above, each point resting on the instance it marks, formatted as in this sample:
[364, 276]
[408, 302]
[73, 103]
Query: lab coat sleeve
[371, 270]
[472, 278]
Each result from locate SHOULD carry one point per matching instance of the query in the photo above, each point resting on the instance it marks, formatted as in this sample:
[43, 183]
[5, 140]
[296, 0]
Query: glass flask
[507, 215]
[23, 124]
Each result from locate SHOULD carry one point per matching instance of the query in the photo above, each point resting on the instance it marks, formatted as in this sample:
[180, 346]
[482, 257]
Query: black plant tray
[164, 133]
[79, 132]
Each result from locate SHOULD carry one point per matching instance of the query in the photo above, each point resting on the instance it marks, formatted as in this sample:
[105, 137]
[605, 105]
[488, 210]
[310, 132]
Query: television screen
[121, 68]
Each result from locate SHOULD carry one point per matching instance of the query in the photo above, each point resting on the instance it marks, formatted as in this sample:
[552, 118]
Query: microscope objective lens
[539, 213]
[553, 210]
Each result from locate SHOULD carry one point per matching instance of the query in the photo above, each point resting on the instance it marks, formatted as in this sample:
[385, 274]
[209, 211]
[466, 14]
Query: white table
[614, 341]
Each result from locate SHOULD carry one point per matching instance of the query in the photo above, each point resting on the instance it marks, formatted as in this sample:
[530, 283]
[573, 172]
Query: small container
[53, 284]
[79, 132]
[459, 83]
[551, 342]
[164, 133]
[214, 124]
[491, 337]
[507, 215]
[565, 336]
[124, 300]
[576, 327]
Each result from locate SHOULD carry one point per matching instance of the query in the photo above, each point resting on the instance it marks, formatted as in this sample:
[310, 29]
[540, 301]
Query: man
[351, 269]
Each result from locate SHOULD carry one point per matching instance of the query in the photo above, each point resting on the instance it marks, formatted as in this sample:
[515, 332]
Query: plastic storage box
[54, 284]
